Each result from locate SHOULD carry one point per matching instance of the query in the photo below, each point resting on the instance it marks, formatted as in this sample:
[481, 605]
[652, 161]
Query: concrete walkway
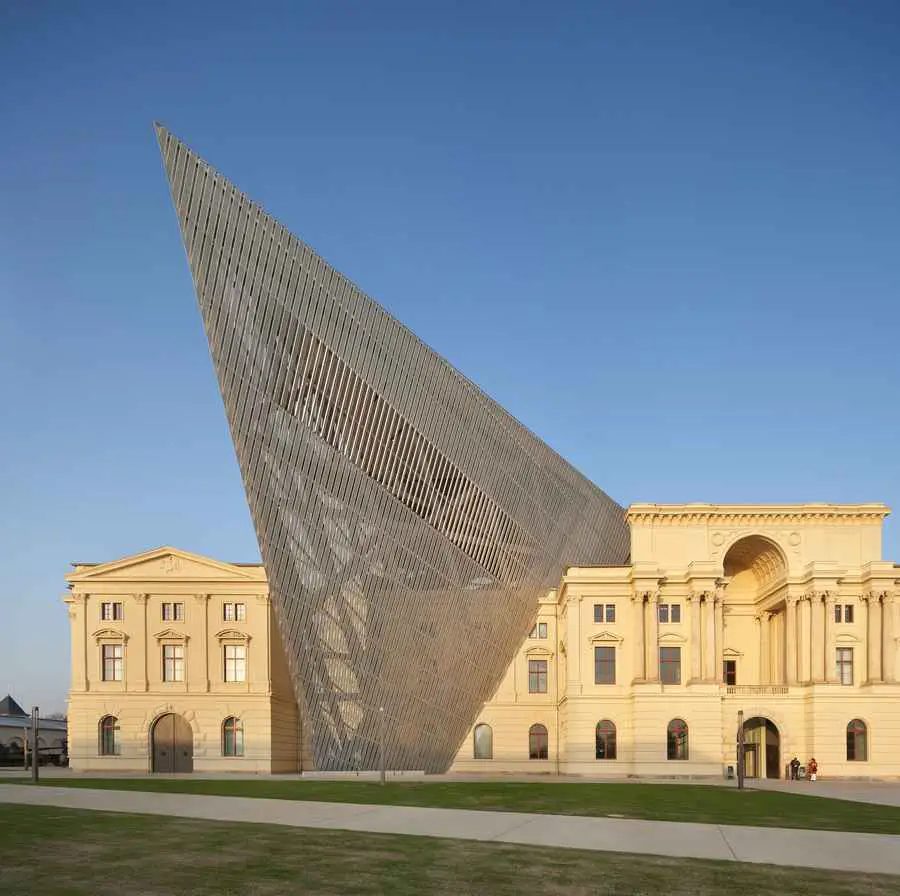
[811, 849]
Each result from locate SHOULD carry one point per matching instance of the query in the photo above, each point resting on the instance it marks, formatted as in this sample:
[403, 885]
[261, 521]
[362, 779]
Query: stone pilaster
[790, 639]
[817, 635]
[873, 638]
[719, 611]
[640, 650]
[829, 649]
[709, 644]
[694, 599]
[201, 605]
[653, 637]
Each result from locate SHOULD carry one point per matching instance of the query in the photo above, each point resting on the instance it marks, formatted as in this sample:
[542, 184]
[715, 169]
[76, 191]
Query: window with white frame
[235, 662]
[539, 631]
[173, 662]
[843, 612]
[173, 612]
[112, 611]
[669, 613]
[604, 613]
[234, 612]
[844, 665]
[112, 663]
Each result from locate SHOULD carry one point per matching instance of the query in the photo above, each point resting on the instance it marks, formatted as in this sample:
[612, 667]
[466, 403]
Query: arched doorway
[172, 745]
[762, 748]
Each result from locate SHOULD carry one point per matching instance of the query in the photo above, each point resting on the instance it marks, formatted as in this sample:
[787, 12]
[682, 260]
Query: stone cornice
[754, 514]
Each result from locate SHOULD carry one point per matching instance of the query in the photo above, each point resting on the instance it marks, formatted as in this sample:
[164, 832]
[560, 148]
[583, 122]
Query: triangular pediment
[165, 564]
[232, 634]
[170, 634]
[109, 634]
[605, 636]
[731, 652]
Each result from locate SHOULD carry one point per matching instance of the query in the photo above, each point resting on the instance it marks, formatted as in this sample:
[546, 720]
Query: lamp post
[740, 750]
[381, 744]
[35, 716]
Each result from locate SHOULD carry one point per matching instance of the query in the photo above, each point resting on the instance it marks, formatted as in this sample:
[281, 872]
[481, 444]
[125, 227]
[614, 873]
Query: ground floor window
[109, 736]
[857, 741]
[484, 742]
[537, 742]
[677, 740]
[232, 737]
[606, 740]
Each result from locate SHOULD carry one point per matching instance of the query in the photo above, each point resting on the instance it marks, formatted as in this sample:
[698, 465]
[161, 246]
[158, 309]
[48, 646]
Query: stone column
[141, 649]
[719, 611]
[790, 640]
[765, 672]
[696, 634]
[828, 654]
[709, 646]
[818, 636]
[653, 637]
[804, 621]
[201, 604]
[637, 621]
[888, 644]
[873, 641]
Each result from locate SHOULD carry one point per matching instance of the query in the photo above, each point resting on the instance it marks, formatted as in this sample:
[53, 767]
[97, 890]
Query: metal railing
[756, 690]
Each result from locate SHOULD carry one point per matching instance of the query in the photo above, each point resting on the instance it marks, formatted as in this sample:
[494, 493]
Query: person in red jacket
[812, 769]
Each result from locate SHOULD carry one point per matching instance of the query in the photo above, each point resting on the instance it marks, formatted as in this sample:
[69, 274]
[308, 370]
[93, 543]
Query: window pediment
[109, 634]
[672, 638]
[171, 635]
[533, 652]
[847, 636]
[232, 634]
[730, 653]
[606, 637]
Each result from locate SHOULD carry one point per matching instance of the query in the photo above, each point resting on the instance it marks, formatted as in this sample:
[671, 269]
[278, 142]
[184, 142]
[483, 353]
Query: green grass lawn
[664, 802]
[52, 852]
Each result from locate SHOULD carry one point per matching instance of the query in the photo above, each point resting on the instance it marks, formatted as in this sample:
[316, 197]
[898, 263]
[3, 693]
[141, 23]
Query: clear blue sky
[666, 236]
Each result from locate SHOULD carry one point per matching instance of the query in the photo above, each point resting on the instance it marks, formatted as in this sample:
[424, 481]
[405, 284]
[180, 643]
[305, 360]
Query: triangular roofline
[102, 569]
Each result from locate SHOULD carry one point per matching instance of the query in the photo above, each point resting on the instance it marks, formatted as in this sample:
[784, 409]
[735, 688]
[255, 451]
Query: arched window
[857, 741]
[677, 739]
[484, 742]
[537, 742]
[232, 737]
[109, 736]
[606, 740]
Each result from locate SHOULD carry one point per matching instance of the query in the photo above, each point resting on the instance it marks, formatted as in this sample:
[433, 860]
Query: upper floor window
[538, 746]
[112, 611]
[670, 612]
[857, 741]
[843, 613]
[539, 630]
[844, 665]
[677, 739]
[235, 612]
[604, 665]
[232, 737]
[729, 671]
[173, 662]
[537, 676]
[173, 612]
[108, 736]
[483, 742]
[112, 662]
[604, 612]
[670, 665]
[235, 662]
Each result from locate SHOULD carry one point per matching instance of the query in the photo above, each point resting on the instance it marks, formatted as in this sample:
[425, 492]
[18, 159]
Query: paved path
[811, 849]
[882, 793]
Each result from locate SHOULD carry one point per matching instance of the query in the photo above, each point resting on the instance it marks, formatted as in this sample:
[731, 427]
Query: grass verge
[662, 802]
[52, 851]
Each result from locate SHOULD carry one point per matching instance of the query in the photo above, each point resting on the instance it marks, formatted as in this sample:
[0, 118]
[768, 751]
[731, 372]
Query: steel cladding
[407, 523]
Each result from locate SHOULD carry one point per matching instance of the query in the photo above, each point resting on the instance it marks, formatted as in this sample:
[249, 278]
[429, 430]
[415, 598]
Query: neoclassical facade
[787, 614]
[177, 667]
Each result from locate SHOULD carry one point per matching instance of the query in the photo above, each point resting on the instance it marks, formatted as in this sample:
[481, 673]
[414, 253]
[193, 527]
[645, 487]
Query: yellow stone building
[786, 614]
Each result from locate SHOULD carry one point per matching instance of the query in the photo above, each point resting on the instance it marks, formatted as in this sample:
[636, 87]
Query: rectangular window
[675, 613]
[837, 612]
[113, 656]
[173, 662]
[598, 612]
[235, 662]
[663, 612]
[610, 612]
[537, 676]
[670, 665]
[848, 613]
[729, 672]
[235, 612]
[844, 664]
[539, 630]
[173, 612]
[604, 665]
[111, 611]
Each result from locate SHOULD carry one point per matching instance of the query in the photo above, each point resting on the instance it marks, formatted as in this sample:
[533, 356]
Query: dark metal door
[173, 745]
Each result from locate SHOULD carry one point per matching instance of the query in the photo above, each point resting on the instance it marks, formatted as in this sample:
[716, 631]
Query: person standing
[812, 769]
[795, 768]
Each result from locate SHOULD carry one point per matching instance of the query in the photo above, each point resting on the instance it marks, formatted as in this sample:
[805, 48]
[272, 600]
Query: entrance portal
[762, 749]
[172, 745]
